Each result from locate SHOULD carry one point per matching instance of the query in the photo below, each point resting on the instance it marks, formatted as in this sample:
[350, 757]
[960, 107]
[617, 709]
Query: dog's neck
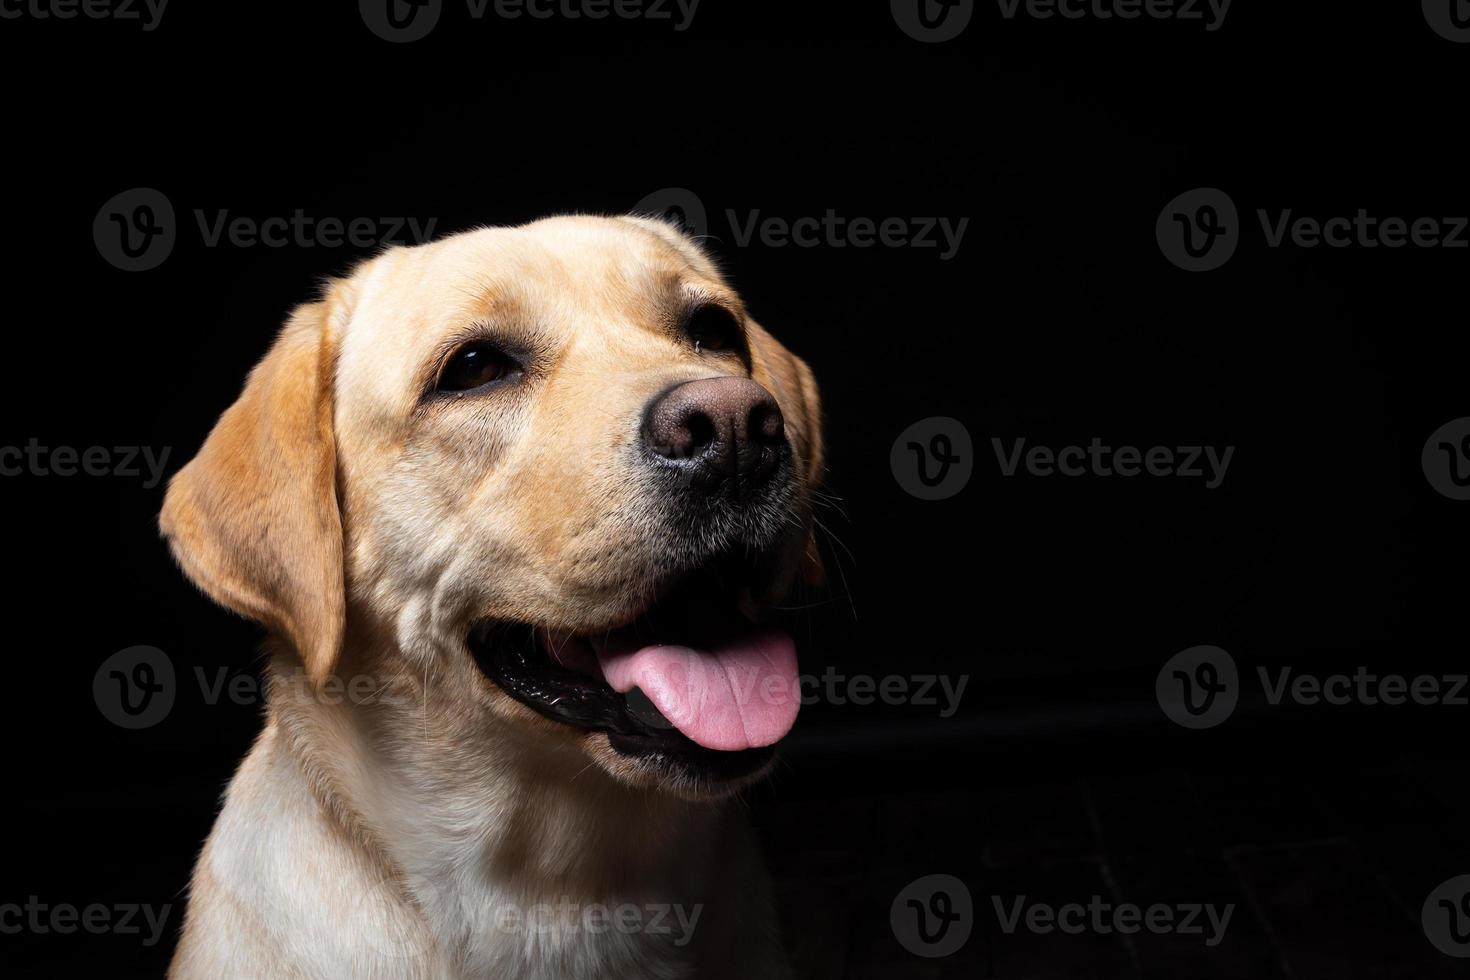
[433, 799]
[385, 835]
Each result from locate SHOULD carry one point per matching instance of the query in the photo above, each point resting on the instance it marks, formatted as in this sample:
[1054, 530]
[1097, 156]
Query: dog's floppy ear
[253, 518]
[788, 378]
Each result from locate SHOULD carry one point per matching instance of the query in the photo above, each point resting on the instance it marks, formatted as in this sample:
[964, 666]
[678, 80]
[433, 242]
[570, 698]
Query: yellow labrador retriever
[513, 506]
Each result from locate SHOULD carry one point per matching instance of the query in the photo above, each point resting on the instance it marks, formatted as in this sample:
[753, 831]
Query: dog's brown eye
[474, 367]
[713, 328]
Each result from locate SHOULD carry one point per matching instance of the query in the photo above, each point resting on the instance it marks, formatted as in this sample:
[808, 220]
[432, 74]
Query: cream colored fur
[408, 828]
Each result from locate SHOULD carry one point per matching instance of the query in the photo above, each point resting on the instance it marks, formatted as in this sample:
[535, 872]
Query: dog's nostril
[701, 431]
[765, 425]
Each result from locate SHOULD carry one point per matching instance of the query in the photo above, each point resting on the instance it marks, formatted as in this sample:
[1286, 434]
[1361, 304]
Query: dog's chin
[703, 737]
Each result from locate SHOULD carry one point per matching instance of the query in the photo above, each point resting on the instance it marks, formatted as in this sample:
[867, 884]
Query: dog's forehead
[558, 275]
[591, 261]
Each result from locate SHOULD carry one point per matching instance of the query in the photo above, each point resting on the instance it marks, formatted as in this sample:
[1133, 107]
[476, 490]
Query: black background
[1058, 320]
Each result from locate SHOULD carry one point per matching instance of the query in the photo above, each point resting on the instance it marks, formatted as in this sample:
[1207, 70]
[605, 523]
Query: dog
[515, 508]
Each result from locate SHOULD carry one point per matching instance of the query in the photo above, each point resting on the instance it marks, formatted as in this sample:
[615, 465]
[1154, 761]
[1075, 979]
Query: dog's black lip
[509, 656]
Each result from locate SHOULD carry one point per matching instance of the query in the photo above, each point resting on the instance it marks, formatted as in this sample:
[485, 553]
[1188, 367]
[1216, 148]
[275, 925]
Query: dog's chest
[496, 932]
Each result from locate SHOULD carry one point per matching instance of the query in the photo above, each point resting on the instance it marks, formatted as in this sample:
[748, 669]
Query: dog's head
[557, 468]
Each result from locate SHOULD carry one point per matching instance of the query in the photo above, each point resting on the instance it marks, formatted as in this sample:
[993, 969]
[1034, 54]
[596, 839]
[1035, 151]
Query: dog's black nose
[726, 434]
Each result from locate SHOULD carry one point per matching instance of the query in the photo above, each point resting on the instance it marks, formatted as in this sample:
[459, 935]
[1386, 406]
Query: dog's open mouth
[692, 679]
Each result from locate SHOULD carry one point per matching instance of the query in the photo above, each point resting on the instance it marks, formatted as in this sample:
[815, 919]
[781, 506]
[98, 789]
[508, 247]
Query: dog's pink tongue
[741, 694]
